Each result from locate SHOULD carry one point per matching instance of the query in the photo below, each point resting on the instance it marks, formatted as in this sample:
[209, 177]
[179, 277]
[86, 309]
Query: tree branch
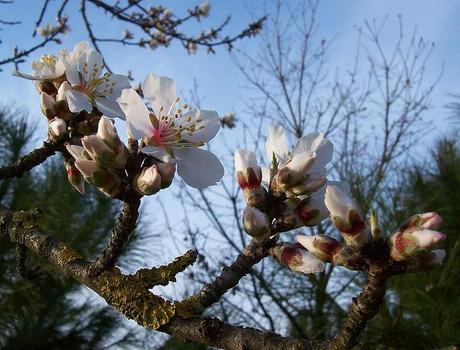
[137, 302]
[29, 161]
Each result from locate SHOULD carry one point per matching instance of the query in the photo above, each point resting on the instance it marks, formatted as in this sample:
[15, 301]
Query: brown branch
[137, 302]
[229, 277]
[126, 223]
[29, 161]
[367, 304]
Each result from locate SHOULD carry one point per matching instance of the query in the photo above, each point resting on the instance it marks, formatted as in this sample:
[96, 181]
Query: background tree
[41, 310]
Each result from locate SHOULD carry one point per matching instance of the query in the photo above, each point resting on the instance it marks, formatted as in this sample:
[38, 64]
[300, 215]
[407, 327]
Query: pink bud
[148, 181]
[296, 258]
[248, 173]
[406, 244]
[346, 216]
[256, 223]
[57, 128]
[321, 246]
[167, 172]
[95, 147]
[430, 220]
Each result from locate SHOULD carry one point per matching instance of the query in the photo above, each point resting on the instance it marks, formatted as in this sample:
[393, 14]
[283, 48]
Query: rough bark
[29, 161]
[134, 300]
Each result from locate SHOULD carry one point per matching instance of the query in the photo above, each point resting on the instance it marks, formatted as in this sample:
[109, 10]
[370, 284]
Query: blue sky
[220, 83]
[219, 80]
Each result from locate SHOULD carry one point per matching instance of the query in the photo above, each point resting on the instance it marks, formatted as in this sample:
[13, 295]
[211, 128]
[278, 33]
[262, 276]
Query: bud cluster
[102, 158]
[153, 178]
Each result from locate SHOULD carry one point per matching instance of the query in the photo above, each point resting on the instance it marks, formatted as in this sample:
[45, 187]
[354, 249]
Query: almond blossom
[171, 134]
[48, 67]
[91, 88]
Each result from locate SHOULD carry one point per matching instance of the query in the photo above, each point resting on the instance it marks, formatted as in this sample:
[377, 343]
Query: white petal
[78, 152]
[26, 76]
[276, 144]
[245, 159]
[78, 101]
[197, 167]
[94, 65]
[317, 202]
[207, 127]
[109, 107]
[315, 142]
[137, 114]
[71, 68]
[265, 176]
[118, 83]
[160, 91]
[158, 153]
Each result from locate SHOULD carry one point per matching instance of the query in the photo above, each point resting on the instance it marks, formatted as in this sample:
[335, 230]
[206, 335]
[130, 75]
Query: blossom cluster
[294, 192]
[78, 97]
[296, 181]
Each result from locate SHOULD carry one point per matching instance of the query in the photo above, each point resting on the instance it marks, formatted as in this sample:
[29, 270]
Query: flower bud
[107, 181]
[98, 150]
[296, 258]
[255, 197]
[248, 173]
[57, 128]
[312, 183]
[346, 216]
[321, 246]
[429, 220]
[47, 103]
[148, 181]
[167, 172]
[348, 257]
[293, 171]
[107, 132]
[75, 177]
[408, 243]
[256, 223]
[309, 211]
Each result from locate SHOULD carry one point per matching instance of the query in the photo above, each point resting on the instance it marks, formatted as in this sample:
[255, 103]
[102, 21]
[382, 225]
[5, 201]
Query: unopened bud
[296, 258]
[293, 171]
[255, 197]
[348, 257]
[57, 128]
[256, 223]
[346, 216]
[167, 172]
[75, 177]
[107, 181]
[309, 185]
[248, 173]
[148, 181]
[406, 244]
[429, 220]
[99, 151]
[321, 246]
[47, 103]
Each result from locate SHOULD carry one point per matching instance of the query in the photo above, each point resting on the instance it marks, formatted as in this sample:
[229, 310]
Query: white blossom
[173, 135]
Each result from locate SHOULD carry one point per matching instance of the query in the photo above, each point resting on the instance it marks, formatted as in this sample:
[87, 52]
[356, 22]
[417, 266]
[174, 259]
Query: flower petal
[157, 152]
[137, 114]
[197, 167]
[315, 142]
[160, 91]
[276, 144]
[207, 127]
[109, 107]
[78, 101]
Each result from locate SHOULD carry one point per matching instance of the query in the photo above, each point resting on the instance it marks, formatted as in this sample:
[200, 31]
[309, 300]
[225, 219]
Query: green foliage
[422, 310]
[46, 310]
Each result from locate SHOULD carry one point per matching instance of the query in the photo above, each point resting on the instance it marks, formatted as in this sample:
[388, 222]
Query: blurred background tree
[42, 310]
